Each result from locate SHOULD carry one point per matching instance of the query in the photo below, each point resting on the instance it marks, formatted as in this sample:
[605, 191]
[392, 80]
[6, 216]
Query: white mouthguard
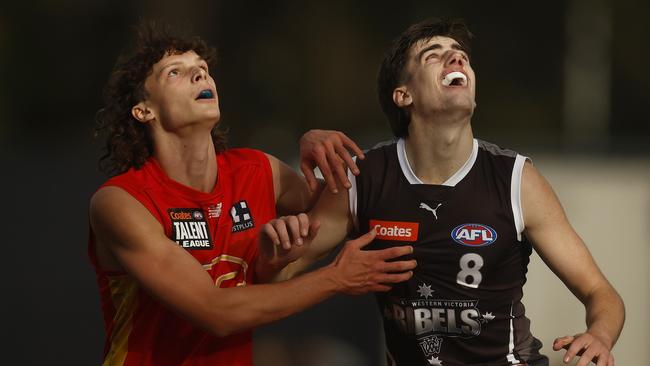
[453, 75]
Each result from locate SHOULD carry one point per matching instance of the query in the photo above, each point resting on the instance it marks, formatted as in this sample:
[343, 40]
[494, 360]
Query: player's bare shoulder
[117, 220]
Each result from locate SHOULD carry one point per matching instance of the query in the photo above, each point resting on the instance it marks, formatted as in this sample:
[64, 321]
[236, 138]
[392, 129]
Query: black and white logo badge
[189, 228]
[241, 217]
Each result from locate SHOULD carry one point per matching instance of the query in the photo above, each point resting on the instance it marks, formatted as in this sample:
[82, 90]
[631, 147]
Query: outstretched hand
[360, 271]
[586, 346]
[329, 151]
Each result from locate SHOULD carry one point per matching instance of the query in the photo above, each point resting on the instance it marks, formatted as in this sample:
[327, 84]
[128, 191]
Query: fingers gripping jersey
[463, 304]
[219, 229]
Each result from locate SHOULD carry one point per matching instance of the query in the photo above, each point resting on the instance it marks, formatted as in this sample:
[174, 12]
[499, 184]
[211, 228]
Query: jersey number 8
[470, 275]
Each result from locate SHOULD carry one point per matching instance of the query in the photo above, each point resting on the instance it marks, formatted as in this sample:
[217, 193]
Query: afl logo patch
[474, 235]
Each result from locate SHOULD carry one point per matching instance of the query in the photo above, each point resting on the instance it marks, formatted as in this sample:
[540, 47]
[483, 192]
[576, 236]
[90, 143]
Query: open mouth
[205, 94]
[455, 78]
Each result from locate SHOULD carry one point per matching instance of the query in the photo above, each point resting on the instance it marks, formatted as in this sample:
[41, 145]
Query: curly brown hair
[128, 143]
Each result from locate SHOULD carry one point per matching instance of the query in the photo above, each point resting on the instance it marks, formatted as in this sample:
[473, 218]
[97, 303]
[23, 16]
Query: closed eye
[430, 56]
[173, 73]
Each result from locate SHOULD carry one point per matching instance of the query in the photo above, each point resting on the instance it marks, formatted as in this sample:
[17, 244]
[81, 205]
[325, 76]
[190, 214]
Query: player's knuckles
[303, 218]
[330, 143]
[268, 228]
[292, 221]
[278, 224]
[376, 267]
[318, 149]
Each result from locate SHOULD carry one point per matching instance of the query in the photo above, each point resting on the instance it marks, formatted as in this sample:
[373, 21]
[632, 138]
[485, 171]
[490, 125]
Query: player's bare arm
[327, 150]
[287, 239]
[567, 256]
[292, 194]
[292, 244]
[330, 213]
[129, 238]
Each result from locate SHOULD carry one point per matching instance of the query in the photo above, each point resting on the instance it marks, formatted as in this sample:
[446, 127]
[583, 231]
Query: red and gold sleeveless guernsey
[219, 229]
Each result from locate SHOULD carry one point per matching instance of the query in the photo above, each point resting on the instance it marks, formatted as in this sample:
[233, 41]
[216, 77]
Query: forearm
[605, 314]
[299, 198]
[237, 309]
[266, 272]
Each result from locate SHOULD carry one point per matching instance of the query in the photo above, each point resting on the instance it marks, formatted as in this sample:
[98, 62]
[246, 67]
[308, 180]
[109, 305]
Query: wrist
[602, 336]
[331, 278]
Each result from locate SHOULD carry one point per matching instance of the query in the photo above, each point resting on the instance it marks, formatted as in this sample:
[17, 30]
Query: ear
[142, 113]
[401, 97]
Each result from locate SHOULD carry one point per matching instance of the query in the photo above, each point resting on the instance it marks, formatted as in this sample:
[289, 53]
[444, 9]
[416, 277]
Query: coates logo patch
[241, 217]
[395, 230]
[474, 235]
[189, 228]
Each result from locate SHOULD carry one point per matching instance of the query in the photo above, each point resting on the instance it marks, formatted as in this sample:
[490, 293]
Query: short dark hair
[128, 143]
[392, 72]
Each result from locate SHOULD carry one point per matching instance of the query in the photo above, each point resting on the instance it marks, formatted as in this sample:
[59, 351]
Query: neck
[190, 160]
[437, 149]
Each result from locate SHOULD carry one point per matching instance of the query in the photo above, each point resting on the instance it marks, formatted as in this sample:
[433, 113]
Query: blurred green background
[554, 78]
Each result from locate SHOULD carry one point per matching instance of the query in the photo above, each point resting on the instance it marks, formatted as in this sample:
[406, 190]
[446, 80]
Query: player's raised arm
[566, 254]
[292, 194]
[126, 232]
[327, 150]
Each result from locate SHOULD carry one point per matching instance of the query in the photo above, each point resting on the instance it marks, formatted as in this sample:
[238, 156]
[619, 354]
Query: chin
[213, 115]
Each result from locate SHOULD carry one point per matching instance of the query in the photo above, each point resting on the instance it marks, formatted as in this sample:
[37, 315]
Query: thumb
[364, 239]
[562, 342]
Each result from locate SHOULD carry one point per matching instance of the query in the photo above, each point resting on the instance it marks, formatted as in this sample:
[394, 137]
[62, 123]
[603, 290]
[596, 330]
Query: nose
[455, 58]
[199, 74]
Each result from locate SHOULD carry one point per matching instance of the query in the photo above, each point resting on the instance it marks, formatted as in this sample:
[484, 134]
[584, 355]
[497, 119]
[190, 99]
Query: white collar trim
[451, 181]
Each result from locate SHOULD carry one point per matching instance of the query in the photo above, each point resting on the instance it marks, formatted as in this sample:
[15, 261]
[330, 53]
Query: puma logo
[433, 210]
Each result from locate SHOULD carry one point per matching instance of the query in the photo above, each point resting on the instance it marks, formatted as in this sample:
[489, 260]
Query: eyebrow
[167, 66]
[176, 63]
[437, 46]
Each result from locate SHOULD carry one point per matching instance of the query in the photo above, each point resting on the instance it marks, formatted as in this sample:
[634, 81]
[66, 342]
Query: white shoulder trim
[515, 194]
[404, 163]
[451, 181]
[352, 196]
